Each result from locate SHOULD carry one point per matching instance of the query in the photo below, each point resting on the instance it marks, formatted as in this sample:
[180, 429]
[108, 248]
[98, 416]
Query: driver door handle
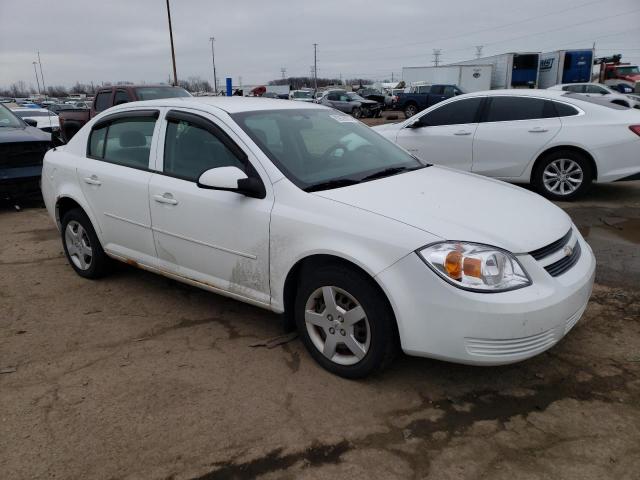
[538, 130]
[165, 198]
[92, 180]
[462, 132]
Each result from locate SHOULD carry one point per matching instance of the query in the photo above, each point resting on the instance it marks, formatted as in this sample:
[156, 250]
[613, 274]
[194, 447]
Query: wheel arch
[308, 261]
[556, 148]
[66, 202]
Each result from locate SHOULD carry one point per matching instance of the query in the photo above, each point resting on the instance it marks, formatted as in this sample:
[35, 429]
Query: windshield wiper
[387, 172]
[343, 182]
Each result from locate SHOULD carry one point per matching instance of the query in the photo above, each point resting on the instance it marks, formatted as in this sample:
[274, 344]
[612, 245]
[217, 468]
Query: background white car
[598, 90]
[558, 141]
[300, 209]
[45, 119]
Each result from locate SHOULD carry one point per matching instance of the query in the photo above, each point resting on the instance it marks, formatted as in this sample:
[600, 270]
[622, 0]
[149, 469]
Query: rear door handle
[165, 198]
[462, 132]
[92, 180]
[538, 130]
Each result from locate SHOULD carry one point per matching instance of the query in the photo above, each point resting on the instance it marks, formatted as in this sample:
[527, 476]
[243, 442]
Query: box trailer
[565, 66]
[511, 70]
[469, 78]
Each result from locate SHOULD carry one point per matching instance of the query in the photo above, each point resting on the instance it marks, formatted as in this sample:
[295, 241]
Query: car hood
[367, 102]
[460, 206]
[26, 134]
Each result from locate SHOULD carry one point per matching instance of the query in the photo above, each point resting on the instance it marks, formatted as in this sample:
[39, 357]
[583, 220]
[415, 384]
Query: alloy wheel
[337, 325]
[78, 245]
[562, 176]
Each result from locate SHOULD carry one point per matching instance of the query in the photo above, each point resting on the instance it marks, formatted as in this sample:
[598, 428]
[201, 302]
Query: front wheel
[356, 112]
[345, 322]
[563, 175]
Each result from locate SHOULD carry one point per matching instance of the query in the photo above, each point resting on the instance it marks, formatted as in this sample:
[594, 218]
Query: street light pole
[213, 60]
[44, 88]
[173, 53]
[37, 79]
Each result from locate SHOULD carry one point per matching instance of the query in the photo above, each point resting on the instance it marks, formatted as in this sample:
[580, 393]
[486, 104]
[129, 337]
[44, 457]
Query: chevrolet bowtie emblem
[568, 250]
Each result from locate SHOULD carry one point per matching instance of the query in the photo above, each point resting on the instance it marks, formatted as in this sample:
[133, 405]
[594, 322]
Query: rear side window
[505, 109]
[103, 100]
[574, 88]
[565, 110]
[460, 112]
[125, 141]
[189, 151]
[121, 97]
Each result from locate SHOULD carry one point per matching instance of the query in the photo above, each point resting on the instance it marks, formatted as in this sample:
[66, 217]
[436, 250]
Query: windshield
[153, 93]
[627, 70]
[8, 119]
[312, 147]
[31, 114]
[301, 94]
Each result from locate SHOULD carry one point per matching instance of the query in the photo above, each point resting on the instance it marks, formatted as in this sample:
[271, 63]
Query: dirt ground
[136, 376]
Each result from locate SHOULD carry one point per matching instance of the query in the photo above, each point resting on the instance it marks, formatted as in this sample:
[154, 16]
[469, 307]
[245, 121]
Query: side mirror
[232, 179]
[30, 121]
[417, 123]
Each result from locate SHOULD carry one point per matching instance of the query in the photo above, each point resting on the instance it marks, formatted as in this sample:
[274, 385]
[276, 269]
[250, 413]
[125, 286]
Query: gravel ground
[136, 376]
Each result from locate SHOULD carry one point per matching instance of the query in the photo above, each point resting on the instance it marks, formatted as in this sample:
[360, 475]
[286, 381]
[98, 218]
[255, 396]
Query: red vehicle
[72, 121]
[617, 75]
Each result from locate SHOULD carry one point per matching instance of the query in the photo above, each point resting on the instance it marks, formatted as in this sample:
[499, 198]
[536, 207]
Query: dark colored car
[72, 121]
[423, 96]
[373, 94]
[22, 148]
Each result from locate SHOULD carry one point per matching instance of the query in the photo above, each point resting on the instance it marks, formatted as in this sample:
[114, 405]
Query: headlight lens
[475, 267]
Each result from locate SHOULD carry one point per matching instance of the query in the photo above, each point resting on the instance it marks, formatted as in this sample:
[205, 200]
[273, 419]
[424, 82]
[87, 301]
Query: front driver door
[217, 238]
[444, 134]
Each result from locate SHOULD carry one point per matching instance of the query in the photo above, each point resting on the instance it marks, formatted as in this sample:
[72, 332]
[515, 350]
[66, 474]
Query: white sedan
[302, 210]
[597, 90]
[44, 119]
[560, 142]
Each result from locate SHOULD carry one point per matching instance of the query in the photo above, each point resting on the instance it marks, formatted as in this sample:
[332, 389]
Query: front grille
[552, 248]
[565, 263]
[511, 346]
[22, 154]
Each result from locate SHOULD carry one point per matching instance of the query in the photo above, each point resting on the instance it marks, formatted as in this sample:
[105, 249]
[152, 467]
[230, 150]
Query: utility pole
[283, 71]
[42, 76]
[213, 60]
[37, 79]
[315, 66]
[391, 77]
[479, 51]
[173, 52]
[436, 56]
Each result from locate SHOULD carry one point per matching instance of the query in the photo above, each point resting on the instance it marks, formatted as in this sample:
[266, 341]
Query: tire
[570, 166]
[356, 112]
[410, 110]
[82, 247]
[370, 330]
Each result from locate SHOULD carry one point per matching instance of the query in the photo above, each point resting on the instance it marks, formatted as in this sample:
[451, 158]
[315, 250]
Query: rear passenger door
[512, 131]
[217, 238]
[115, 177]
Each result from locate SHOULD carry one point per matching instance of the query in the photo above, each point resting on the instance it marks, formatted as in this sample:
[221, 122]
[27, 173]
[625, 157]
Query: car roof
[30, 110]
[228, 104]
[520, 92]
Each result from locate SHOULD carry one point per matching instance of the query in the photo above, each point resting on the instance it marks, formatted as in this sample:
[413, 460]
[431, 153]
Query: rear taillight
[635, 129]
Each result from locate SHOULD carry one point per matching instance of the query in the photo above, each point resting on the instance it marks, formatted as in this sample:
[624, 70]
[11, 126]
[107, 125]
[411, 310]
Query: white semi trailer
[469, 78]
[511, 70]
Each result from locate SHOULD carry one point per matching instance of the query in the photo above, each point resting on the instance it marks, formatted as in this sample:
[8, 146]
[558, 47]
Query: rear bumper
[438, 320]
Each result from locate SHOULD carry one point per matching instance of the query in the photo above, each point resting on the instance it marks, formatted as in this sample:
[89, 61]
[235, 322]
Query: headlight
[475, 267]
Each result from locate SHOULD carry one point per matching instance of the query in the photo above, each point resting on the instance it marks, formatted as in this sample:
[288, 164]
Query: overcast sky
[112, 40]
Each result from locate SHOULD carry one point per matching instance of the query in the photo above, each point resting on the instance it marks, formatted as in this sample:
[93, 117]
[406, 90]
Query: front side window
[317, 148]
[505, 109]
[103, 101]
[8, 119]
[595, 89]
[436, 90]
[190, 150]
[121, 97]
[454, 113]
[125, 141]
[574, 88]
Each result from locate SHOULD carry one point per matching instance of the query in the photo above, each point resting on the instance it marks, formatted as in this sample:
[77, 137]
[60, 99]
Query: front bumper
[438, 320]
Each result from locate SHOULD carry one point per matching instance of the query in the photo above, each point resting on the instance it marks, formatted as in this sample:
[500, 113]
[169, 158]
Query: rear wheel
[82, 247]
[563, 175]
[410, 110]
[345, 321]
